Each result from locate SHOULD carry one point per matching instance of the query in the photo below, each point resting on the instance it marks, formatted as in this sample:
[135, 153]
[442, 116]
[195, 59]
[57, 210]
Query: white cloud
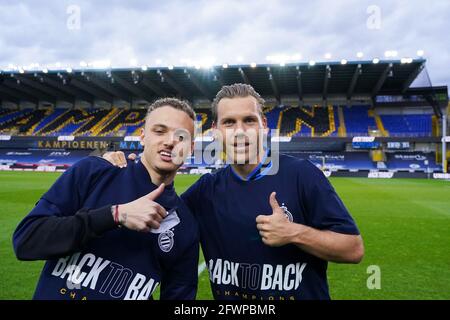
[224, 29]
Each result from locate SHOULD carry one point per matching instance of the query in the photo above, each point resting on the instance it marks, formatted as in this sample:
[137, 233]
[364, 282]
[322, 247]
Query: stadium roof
[321, 79]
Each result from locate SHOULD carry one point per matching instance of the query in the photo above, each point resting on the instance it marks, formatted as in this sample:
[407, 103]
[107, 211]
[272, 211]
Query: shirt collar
[144, 173]
[260, 170]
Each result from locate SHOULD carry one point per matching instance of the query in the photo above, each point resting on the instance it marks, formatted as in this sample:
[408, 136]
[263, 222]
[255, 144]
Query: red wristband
[116, 215]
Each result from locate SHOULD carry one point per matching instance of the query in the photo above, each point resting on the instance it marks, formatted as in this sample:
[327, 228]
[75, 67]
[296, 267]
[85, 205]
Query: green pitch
[405, 225]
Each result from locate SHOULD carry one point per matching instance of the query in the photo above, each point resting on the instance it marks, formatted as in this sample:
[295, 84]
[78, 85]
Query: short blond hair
[175, 103]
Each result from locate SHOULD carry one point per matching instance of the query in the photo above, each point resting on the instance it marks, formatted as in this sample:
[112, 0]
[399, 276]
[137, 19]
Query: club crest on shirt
[166, 241]
[287, 213]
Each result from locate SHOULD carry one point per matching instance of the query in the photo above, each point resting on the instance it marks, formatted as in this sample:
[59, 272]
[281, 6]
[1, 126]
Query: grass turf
[405, 224]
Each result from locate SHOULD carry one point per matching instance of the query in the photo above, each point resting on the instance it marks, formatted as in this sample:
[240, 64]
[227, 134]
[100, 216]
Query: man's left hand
[276, 230]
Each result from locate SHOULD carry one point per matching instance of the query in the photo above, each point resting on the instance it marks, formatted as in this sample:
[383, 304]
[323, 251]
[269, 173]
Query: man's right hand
[144, 213]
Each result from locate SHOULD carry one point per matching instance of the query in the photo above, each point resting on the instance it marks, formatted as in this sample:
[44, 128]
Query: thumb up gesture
[144, 213]
[275, 229]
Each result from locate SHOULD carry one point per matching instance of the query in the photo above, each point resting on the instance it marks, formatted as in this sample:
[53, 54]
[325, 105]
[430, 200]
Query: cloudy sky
[215, 31]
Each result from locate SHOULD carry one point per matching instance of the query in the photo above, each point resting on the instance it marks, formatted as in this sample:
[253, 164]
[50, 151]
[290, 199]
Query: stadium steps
[378, 155]
[280, 118]
[332, 122]
[379, 158]
[378, 122]
[435, 126]
[342, 130]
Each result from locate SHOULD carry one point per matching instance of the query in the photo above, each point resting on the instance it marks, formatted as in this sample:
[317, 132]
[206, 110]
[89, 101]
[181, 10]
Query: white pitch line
[201, 267]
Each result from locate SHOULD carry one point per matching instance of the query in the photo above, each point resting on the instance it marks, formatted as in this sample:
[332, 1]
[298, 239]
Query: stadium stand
[23, 122]
[306, 121]
[331, 125]
[315, 121]
[205, 120]
[407, 125]
[272, 116]
[123, 123]
[354, 161]
[357, 120]
[73, 122]
[48, 119]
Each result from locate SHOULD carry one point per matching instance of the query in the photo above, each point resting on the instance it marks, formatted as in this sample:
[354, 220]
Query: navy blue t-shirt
[240, 265]
[120, 264]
